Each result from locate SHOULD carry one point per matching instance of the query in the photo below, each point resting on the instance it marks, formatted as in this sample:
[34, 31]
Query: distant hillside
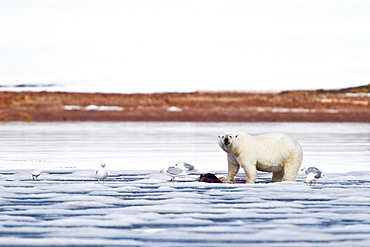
[359, 89]
[343, 105]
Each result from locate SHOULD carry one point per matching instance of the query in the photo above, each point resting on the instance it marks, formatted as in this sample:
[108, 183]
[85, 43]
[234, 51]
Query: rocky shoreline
[345, 105]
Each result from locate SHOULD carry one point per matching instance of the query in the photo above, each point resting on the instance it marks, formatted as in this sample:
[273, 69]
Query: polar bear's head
[228, 141]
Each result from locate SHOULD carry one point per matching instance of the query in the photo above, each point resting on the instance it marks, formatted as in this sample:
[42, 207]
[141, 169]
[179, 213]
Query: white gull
[313, 174]
[101, 174]
[186, 166]
[36, 173]
[174, 172]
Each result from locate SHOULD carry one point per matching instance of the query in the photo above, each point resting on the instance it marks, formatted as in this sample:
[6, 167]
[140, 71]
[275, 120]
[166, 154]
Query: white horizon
[184, 46]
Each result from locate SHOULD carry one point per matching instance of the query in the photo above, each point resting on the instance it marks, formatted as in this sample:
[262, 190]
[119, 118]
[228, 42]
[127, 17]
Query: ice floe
[138, 206]
[133, 210]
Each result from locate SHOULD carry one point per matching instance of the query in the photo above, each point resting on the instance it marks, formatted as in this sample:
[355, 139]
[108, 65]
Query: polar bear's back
[273, 149]
[275, 138]
[277, 141]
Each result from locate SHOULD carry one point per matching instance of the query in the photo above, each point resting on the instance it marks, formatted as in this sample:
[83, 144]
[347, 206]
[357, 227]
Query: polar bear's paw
[227, 180]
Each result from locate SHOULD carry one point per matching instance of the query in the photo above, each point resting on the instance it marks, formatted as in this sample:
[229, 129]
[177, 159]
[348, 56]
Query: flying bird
[101, 174]
[36, 173]
[174, 172]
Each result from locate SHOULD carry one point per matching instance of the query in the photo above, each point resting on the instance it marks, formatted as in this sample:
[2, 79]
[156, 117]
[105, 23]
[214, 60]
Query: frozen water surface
[137, 206]
[141, 208]
[152, 146]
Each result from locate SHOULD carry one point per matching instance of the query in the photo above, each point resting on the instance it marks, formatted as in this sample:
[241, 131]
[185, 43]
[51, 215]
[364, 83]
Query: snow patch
[357, 94]
[93, 108]
[293, 110]
[174, 109]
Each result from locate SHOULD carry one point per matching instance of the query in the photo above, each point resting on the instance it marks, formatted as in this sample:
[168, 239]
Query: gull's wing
[174, 170]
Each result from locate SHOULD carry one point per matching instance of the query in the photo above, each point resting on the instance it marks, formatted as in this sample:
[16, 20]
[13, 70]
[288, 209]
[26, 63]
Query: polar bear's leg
[233, 168]
[291, 167]
[291, 172]
[250, 173]
[277, 176]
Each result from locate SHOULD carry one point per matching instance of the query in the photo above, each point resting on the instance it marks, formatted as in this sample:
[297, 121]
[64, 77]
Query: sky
[185, 45]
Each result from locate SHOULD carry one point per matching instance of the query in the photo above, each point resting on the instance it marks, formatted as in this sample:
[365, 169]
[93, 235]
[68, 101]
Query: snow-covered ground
[141, 208]
[138, 206]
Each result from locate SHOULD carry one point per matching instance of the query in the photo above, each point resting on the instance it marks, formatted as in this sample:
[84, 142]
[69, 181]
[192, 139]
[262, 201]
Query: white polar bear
[274, 152]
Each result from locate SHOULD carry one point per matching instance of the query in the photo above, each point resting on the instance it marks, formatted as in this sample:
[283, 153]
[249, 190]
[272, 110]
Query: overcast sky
[186, 45]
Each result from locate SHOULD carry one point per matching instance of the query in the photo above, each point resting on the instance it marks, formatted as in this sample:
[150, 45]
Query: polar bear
[273, 152]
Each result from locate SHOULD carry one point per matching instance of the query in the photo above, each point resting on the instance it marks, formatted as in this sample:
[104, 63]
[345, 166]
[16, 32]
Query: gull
[313, 174]
[101, 174]
[36, 173]
[174, 172]
[186, 166]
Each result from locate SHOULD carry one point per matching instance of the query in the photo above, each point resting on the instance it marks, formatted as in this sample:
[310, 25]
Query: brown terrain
[345, 105]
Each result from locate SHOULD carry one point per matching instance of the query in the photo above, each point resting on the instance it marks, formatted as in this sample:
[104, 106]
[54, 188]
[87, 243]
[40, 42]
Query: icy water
[152, 146]
[138, 206]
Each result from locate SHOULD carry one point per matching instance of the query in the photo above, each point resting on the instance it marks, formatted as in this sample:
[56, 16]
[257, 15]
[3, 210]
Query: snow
[92, 108]
[138, 206]
[129, 209]
[72, 107]
[103, 108]
[357, 94]
[174, 109]
[294, 110]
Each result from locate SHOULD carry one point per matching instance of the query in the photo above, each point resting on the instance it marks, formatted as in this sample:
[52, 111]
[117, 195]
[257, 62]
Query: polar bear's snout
[227, 141]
